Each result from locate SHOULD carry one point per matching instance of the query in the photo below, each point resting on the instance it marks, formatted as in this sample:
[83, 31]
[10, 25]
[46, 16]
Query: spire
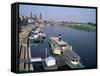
[40, 16]
[35, 16]
[31, 16]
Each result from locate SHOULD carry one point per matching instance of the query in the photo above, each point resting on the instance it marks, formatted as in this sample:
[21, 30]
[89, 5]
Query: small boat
[38, 35]
[31, 37]
[38, 30]
[49, 62]
[42, 35]
[33, 31]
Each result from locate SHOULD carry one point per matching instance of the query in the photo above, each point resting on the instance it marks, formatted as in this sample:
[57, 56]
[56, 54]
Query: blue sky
[83, 15]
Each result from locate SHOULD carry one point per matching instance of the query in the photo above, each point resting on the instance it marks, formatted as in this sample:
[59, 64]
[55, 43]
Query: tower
[31, 16]
[40, 16]
[35, 16]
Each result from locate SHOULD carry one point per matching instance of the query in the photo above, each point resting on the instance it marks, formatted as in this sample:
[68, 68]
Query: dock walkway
[24, 48]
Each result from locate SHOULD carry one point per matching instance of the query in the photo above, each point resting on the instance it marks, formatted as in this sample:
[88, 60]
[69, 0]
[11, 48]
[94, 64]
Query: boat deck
[56, 39]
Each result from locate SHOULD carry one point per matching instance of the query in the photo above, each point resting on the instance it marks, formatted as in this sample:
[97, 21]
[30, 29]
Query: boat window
[75, 60]
[63, 45]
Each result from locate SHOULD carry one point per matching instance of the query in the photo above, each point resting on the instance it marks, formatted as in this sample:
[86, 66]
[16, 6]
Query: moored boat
[59, 47]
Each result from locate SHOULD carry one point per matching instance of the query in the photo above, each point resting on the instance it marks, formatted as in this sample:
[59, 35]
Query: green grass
[85, 27]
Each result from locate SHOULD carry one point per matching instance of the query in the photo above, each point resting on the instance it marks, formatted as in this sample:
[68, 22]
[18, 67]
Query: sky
[83, 15]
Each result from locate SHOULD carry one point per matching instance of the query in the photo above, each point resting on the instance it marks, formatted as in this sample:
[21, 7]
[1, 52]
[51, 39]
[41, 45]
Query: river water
[83, 43]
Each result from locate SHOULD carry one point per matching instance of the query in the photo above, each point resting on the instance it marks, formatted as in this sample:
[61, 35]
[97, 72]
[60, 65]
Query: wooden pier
[24, 48]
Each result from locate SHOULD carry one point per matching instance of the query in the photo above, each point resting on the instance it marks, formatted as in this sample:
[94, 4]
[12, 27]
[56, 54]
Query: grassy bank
[85, 27]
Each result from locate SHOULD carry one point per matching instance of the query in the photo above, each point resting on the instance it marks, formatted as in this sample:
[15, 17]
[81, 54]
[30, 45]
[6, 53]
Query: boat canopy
[72, 55]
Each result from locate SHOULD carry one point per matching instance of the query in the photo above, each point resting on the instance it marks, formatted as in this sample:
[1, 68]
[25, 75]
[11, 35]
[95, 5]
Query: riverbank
[85, 27]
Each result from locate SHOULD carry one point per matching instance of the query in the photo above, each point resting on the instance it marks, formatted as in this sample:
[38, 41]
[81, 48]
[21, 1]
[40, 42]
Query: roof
[50, 61]
[72, 55]
[56, 39]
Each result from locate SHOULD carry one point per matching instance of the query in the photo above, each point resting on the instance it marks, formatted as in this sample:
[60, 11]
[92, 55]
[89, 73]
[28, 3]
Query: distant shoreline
[85, 27]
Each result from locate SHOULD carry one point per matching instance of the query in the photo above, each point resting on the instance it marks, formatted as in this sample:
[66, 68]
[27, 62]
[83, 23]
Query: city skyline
[83, 15]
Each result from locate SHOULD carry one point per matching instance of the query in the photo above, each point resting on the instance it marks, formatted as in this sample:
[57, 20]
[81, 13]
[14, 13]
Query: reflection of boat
[60, 47]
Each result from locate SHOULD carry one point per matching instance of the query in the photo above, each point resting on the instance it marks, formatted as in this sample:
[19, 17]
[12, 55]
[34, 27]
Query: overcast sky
[83, 15]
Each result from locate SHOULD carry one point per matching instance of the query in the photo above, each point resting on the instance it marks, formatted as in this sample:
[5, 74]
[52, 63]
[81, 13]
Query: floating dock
[59, 47]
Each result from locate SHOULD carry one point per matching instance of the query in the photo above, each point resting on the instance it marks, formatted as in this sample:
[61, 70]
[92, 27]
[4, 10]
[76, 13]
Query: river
[83, 43]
